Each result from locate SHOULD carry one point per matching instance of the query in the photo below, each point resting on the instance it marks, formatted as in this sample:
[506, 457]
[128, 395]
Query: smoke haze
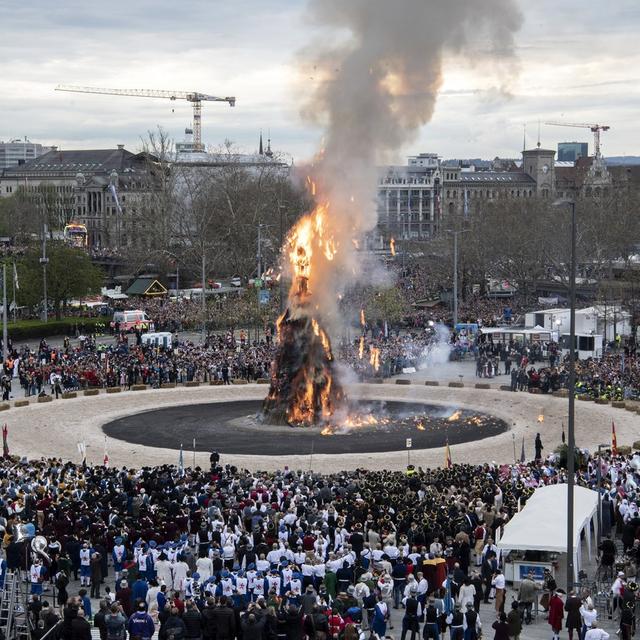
[376, 80]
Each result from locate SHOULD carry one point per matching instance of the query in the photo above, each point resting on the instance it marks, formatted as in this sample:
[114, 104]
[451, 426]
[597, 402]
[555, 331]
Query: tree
[70, 274]
[385, 304]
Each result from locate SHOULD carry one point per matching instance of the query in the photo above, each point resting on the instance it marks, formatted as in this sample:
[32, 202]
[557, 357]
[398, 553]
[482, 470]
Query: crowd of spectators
[225, 553]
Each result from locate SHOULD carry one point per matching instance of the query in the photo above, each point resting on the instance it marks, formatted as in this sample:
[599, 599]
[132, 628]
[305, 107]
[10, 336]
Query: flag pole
[15, 280]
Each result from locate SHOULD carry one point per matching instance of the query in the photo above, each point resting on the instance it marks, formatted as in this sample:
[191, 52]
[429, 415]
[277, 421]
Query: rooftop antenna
[524, 136]
[538, 134]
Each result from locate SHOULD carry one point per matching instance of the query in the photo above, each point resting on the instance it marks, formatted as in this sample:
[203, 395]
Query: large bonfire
[305, 390]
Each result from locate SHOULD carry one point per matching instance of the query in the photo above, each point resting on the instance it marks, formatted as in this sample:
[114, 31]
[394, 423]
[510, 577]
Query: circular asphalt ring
[233, 428]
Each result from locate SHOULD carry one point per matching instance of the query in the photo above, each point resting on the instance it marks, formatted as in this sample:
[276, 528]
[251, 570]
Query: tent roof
[146, 286]
[542, 523]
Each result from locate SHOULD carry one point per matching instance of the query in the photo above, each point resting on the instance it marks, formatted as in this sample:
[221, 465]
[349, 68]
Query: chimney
[121, 147]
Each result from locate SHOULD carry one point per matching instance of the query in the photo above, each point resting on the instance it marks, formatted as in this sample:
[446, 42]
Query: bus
[76, 235]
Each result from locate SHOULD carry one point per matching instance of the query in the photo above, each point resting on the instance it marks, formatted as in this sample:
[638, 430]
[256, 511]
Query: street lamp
[571, 444]
[455, 234]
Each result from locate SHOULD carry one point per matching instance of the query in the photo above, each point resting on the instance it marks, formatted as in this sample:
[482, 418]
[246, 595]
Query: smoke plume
[376, 76]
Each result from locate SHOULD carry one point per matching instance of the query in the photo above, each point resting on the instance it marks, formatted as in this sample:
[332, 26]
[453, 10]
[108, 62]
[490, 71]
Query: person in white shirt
[274, 555]
[263, 564]
[589, 616]
[179, 570]
[595, 633]
[435, 547]
[617, 588]
[204, 566]
[498, 583]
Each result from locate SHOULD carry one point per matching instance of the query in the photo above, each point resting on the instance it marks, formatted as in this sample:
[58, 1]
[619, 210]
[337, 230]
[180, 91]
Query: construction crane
[595, 128]
[194, 97]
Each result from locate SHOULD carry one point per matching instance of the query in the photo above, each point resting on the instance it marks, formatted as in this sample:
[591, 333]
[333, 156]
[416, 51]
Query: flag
[447, 456]
[614, 441]
[522, 456]
[105, 461]
[563, 436]
[5, 443]
[15, 277]
[181, 463]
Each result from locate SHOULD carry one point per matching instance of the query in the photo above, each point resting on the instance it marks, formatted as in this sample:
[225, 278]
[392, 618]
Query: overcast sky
[578, 61]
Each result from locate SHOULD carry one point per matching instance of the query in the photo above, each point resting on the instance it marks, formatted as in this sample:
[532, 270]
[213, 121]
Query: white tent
[542, 523]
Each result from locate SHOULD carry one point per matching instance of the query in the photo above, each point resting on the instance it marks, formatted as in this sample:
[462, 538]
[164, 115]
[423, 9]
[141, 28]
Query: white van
[132, 319]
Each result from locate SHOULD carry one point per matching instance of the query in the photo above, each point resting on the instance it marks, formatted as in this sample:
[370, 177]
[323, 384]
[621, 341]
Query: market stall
[541, 526]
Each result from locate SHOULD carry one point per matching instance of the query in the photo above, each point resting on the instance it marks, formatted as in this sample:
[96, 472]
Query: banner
[548, 300]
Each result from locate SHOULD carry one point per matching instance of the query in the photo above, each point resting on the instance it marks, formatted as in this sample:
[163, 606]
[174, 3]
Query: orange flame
[420, 426]
[454, 416]
[392, 246]
[361, 348]
[362, 321]
[374, 358]
[307, 240]
[308, 244]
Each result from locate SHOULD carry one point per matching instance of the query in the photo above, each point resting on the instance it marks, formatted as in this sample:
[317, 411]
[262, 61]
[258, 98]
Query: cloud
[577, 61]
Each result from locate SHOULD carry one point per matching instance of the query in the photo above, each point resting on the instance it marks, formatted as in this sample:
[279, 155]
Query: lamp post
[599, 481]
[455, 272]
[44, 261]
[571, 444]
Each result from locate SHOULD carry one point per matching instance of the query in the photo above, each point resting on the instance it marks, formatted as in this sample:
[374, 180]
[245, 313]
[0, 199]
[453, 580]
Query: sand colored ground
[54, 428]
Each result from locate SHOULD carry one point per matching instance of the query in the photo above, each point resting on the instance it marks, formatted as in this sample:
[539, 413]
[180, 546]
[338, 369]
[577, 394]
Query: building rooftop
[82, 160]
[495, 176]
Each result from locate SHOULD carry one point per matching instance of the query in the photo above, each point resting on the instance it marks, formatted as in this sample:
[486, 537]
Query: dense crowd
[223, 358]
[223, 553]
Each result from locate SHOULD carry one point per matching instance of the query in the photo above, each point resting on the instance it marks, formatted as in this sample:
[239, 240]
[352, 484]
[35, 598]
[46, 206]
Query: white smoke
[438, 351]
[378, 71]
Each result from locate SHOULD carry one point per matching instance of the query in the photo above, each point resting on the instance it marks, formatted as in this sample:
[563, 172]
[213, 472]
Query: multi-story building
[571, 151]
[16, 152]
[90, 187]
[416, 199]
[409, 198]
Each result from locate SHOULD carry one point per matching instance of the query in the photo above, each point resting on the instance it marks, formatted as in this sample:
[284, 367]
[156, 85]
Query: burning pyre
[304, 390]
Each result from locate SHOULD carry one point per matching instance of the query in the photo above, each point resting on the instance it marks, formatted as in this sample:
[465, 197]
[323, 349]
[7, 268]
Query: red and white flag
[106, 455]
[614, 441]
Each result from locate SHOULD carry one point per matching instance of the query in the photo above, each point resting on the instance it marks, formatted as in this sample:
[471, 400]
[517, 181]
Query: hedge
[26, 329]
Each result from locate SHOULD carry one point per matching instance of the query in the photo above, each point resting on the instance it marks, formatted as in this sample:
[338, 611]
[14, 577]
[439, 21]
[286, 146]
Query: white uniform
[163, 571]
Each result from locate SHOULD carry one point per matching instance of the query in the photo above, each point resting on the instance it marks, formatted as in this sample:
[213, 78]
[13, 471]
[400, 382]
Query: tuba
[39, 545]
[20, 532]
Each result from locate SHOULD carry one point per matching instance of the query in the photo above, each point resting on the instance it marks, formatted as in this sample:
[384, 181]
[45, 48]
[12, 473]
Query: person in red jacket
[556, 614]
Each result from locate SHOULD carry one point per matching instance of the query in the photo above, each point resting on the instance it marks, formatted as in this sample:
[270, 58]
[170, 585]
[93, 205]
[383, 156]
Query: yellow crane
[594, 128]
[194, 97]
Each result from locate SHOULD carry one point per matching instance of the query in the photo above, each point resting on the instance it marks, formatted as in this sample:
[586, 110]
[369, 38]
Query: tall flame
[303, 390]
[392, 246]
[374, 358]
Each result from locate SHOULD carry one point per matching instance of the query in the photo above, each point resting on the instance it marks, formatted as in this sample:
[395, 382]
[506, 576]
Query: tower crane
[194, 97]
[595, 128]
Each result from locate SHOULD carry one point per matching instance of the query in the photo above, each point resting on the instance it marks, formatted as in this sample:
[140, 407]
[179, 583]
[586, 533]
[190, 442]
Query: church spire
[260, 151]
[268, 152]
